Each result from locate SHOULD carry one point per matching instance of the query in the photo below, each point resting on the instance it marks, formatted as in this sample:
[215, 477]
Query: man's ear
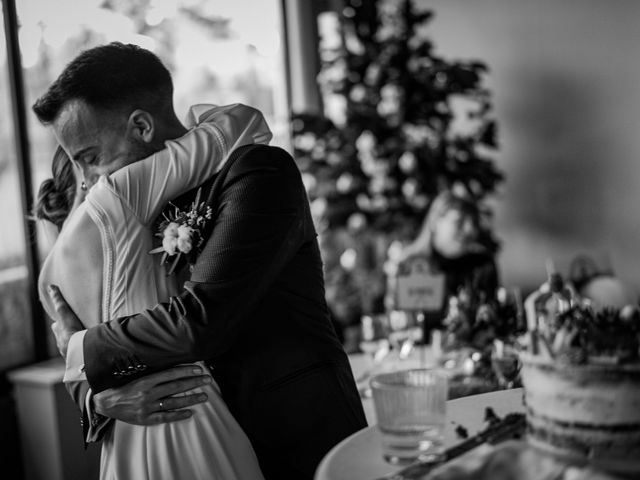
[141, 126]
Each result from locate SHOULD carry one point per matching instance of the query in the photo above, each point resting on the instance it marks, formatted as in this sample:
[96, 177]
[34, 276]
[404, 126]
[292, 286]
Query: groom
[254, 307]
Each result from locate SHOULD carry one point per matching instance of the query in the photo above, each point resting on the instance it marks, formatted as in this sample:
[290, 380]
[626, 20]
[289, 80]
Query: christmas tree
[400, 125]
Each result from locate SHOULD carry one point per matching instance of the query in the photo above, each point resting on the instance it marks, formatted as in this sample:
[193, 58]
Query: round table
[360, 455]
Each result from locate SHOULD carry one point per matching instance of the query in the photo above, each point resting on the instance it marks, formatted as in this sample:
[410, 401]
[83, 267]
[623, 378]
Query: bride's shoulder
[113, 189]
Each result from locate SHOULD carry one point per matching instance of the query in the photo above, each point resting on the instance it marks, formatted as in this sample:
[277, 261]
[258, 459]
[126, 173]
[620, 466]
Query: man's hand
[149, 400]
[68, 322]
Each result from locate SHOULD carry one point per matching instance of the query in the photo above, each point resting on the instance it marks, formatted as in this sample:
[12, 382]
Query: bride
[101, 263]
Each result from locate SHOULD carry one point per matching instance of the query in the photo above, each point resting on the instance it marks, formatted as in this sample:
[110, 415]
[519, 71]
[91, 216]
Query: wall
[566, 83]
[10, 453]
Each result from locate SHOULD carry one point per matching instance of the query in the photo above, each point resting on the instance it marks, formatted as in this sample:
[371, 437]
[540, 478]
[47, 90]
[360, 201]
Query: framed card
[418, 287]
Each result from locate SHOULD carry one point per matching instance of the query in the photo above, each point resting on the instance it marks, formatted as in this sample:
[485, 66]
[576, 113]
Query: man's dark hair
[109, 77]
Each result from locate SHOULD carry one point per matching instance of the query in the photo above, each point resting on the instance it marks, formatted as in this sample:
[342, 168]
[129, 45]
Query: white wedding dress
[120, 210]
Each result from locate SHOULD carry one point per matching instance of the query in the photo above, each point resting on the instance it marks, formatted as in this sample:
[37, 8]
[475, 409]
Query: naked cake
[582, 388]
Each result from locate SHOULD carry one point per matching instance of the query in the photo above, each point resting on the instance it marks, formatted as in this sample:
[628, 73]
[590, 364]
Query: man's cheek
[90, 176]
[98, 171]
[112, 166]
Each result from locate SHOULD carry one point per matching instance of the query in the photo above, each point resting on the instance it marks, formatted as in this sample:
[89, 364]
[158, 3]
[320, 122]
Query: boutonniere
[181, 233]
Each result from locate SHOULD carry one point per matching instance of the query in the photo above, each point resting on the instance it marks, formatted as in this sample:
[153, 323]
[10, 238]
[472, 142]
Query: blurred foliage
[400, 125]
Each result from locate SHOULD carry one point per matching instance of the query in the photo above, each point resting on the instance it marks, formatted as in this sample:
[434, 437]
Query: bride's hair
[56, 195]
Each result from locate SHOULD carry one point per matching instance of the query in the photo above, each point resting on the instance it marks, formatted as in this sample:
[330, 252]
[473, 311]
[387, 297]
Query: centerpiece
[478, 341]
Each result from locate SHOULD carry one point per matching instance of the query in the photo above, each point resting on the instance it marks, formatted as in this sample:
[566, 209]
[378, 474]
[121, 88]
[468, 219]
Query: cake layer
[583, 394]
[609, 461]
[590, 440]
[586, 413]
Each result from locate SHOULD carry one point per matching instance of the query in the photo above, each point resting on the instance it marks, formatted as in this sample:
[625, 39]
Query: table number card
[418, 288]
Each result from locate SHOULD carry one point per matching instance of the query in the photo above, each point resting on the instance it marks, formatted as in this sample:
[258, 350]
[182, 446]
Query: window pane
[15, 316]
[220, 52]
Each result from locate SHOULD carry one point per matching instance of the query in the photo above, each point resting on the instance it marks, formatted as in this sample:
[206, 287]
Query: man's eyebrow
[79, 154]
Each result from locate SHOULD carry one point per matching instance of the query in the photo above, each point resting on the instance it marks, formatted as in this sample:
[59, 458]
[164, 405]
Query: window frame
[23, 159]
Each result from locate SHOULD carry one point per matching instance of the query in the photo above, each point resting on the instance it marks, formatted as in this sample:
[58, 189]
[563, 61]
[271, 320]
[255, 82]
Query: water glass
[410, 407]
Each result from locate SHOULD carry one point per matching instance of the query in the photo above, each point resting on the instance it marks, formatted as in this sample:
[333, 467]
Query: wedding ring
[83, 186]
[161, 405]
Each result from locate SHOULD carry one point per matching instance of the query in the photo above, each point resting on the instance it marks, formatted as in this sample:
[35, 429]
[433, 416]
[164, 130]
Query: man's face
[96, 141]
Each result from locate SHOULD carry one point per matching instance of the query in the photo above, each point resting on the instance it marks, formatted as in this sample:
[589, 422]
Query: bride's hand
[149, 400]
[67, 324]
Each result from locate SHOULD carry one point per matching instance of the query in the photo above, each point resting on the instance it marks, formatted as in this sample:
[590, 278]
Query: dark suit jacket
[254, 309]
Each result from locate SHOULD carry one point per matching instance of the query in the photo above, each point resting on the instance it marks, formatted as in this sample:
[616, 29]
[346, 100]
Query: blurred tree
[400, 125]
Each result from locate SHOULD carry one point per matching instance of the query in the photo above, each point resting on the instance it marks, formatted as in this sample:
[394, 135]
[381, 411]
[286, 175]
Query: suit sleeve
[94, 426]
[259, 226]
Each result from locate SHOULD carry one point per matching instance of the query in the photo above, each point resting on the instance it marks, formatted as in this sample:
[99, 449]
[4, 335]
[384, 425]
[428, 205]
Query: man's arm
[259, 226]
[94, 425]
[144, 401]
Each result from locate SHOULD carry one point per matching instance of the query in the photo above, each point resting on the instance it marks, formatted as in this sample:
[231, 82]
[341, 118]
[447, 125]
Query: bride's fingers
[59, 303]
[61, 339]
[62, 308]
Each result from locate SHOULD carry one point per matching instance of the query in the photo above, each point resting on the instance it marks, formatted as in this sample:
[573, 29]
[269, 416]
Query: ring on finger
[161, 405]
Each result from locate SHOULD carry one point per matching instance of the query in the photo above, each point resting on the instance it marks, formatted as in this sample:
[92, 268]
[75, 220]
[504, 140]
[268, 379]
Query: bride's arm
[190, 160]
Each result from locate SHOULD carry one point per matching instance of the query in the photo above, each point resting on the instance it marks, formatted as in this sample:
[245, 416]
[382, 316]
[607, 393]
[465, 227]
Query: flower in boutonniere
[184, 238]
[180, 231]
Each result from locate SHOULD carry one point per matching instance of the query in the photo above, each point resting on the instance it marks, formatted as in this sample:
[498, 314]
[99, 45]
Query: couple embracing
[228, 368]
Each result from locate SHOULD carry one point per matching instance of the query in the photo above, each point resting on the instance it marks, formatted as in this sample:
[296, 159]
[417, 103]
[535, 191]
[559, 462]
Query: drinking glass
[404, 333]
[505, 361]
[374, 334]
[410, 407]
[374, 330]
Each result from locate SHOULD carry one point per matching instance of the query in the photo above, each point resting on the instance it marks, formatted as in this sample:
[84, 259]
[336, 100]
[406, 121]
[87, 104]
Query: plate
[360, 455]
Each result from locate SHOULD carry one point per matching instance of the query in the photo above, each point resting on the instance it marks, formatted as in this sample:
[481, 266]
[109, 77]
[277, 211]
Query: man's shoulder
[261, 152]
[255, 157]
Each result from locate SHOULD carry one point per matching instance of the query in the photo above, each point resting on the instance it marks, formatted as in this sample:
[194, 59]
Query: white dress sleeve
[146, 186]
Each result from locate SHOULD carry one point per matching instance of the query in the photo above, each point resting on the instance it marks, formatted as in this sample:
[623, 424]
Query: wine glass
[374, 330]
[505, 362]
[404, 333]
[375, 336]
